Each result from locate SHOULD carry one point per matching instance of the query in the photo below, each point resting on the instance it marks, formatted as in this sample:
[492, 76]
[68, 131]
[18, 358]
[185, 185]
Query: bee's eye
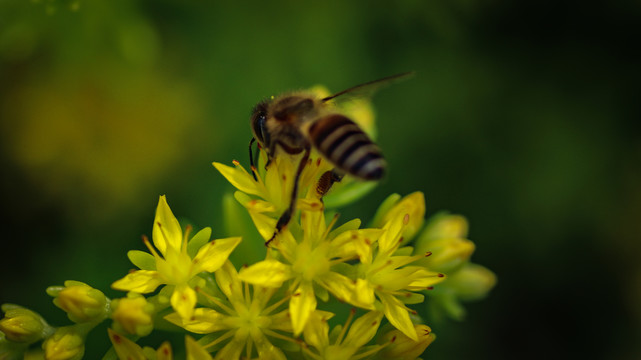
[260, 130]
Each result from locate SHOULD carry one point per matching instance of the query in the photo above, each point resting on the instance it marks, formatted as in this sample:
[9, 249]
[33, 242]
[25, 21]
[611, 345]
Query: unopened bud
[472, 282]
[22, 325]
[67, 343]
[448, 254]
[133, 315]
[81, 302]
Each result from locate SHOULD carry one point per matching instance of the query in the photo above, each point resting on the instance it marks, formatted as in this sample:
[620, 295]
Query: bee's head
[258, 124]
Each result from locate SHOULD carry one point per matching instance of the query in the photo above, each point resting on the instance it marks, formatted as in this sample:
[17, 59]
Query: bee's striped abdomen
[347, 146]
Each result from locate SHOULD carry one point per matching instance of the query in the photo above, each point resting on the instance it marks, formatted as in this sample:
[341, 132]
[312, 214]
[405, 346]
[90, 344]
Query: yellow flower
[348, 345]
[246, 319]
[133, 314]
[403, 348]
[390, 276]
[80, 301]
[175, 265]
[270, 195]
[313, 259]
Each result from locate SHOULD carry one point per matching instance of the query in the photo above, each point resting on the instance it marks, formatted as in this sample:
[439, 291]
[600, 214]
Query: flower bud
[133, 315]
[22, 325]
[67, 343]
[81, 302]
[413, 205]
[443, 225]
[472, 282]
[447, 254]
[403, 348]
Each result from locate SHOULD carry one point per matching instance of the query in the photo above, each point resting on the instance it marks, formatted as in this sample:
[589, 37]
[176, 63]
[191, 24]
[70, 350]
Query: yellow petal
[125, 348]
[390, 240]
[183, 300]
[397, 315]
[228, 282]
[301, 306]
[164, 352]
[166, 230]
[140, 281]
[256, 205]
[195, 351]
[413, 205]
[316, 331]
[265, 349]
[364, 294]
[264, 224]
[213, 255]
[344, 289]
[203, 321]
[268, 273]
[363, 329]
[239, 178]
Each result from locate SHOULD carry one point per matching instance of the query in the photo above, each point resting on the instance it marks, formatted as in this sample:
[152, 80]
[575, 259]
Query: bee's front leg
[287, 215]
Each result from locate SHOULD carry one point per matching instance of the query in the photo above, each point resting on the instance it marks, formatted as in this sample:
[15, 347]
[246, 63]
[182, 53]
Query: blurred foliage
[523, 116]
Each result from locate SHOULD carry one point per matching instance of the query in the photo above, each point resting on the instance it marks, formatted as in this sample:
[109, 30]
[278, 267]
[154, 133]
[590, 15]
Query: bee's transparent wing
[367, 89]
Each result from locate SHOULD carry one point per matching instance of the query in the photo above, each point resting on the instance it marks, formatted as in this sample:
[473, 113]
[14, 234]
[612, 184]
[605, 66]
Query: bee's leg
[251, 158]
[287, 215]
[326, 181]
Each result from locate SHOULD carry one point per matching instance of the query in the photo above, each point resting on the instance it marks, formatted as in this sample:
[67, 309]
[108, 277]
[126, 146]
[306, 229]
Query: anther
[441, 275]
[235, 162]
[406, 219]
[393, 339]
[428, 253]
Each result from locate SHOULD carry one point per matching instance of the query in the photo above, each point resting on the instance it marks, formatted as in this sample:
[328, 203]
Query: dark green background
[523, 116]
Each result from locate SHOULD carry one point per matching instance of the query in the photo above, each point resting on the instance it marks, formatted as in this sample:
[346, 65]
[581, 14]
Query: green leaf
[348, 193]
[196, 242]
[143, 260]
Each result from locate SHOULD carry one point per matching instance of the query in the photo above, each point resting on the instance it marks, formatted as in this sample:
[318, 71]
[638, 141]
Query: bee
[297, 122]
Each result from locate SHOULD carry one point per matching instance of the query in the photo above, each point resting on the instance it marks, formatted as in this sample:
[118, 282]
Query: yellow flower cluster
[374, 275]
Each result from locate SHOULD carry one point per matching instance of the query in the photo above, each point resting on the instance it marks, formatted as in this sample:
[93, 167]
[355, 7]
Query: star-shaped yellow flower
[388, 273]
[245, 320]
[311, 258]
[177, 261]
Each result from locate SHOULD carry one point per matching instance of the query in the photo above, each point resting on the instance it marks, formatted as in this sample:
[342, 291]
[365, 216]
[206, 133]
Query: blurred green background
[523, 116]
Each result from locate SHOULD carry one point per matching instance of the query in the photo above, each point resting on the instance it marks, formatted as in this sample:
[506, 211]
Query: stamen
[342, 260]
[352, 312]
[369, 352]
[428, 253]
[188, 230]
[224, 337]
[274, 334]
[224, 307]
[150, 247]
[275, 305]
[247, 295]
[330, 226]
